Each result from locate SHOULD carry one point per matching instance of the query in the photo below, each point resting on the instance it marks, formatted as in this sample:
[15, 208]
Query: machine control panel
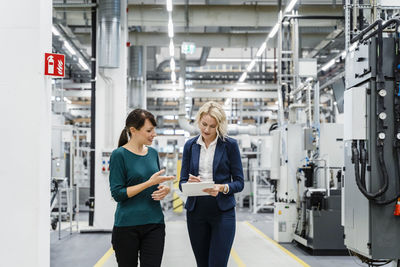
[105, 162]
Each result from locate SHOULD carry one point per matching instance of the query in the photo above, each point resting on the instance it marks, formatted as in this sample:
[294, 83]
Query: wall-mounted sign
[54, 64]
[188, 48]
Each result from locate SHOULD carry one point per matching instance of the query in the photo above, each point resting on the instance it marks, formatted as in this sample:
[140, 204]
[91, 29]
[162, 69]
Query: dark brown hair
[135, 119]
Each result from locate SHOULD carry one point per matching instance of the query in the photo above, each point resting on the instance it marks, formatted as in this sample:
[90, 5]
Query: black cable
[363, 190]
[363, 163]
[391, 200]
[366, 30]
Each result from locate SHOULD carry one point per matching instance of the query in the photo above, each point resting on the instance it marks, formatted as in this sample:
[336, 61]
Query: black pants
[211, 232]
[145, 240]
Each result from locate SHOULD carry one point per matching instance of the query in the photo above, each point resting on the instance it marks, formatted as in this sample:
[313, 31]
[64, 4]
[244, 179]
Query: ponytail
[123, 138]
[135, 119]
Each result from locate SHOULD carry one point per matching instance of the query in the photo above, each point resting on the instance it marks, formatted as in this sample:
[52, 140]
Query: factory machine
[307, 153]
[372, 141]
[306, 163]
[318, 225]
[308, 207]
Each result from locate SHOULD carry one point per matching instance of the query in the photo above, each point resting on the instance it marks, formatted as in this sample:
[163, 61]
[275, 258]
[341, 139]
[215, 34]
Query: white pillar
[111, 111]
[25, 133]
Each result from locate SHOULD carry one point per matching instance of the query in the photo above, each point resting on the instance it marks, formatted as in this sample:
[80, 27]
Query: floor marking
[277, 244]
[104, 258]
[236, 258]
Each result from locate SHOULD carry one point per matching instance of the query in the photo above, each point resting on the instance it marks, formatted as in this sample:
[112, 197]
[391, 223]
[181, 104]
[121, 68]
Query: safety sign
[54, 64]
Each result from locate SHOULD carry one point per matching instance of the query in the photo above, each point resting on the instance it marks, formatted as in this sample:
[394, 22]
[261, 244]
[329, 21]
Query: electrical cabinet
[370, 227]
[285, 215]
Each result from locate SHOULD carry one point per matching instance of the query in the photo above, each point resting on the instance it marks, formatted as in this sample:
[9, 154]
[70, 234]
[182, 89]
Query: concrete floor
[251, 248]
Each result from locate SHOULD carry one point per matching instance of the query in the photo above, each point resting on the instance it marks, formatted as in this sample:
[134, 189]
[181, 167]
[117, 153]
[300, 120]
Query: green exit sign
[188, 48]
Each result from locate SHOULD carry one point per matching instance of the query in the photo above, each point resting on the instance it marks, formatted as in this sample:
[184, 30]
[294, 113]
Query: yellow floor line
[277, 244]
[104, 258]
[236, 258]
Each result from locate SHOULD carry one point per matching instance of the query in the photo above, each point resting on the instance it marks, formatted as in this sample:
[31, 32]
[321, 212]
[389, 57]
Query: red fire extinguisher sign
[54, 64]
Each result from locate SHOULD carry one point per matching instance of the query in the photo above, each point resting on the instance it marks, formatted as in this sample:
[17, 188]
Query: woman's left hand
[215, 190]
[160, 194]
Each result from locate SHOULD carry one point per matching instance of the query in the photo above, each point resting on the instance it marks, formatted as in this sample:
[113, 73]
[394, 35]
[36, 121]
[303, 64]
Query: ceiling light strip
[271, 35]
[169, 7]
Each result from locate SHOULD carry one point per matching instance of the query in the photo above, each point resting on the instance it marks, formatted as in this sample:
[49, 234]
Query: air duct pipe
[234, 129]
[183, 122]
[188, 63]
[136, 80]
[109, 33]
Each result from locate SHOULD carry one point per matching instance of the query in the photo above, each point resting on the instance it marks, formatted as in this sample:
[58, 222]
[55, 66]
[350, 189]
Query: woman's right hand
[156, 178]
[194, 179]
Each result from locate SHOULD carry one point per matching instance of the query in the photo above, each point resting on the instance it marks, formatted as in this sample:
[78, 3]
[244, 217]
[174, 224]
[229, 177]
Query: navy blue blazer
[227, 169]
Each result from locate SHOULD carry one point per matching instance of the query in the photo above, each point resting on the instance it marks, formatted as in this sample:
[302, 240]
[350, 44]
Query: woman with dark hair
[135, 176]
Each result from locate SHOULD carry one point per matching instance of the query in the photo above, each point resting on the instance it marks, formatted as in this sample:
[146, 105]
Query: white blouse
[206, 159]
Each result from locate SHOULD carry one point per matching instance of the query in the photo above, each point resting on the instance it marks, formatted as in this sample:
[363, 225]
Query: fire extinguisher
[50, 64]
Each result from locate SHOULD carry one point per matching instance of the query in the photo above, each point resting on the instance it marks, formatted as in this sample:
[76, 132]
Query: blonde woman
[212, 156]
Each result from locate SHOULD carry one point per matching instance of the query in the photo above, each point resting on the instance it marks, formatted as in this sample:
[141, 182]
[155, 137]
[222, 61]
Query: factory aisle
[251, 248]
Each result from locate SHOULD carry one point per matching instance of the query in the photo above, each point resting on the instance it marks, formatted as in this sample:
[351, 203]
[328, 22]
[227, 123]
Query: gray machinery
[318, 226]
[372, 144]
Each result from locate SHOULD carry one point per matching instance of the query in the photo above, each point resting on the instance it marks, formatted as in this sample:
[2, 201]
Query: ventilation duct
[109, 33]
[189, 63]
[136, 84]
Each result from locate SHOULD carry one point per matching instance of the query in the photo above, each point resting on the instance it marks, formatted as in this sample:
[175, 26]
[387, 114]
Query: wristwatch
[226, 189]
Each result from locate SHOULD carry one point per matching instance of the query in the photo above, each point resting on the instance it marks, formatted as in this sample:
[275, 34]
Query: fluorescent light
[172, 64]
[171, 48]
[243, 77]
[169, 5]
[251, 65]
[55, 31]
[273, 31]
[69, 48]
[168, 131]
[240, 60]
[262, 49]
[328, 65]
[290, 6]
[67, 100]
[83, 64]
[170, 28]
[173, 77]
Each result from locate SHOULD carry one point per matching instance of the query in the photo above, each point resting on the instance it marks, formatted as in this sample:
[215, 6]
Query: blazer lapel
[195, 158]
[218, 154]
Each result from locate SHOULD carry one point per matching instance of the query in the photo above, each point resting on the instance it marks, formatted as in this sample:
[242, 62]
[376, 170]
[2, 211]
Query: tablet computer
[196, 189]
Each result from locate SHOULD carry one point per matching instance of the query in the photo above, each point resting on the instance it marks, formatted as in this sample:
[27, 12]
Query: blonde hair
[216, 111]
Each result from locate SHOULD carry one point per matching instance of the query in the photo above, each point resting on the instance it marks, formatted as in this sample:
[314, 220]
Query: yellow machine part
[177, 203]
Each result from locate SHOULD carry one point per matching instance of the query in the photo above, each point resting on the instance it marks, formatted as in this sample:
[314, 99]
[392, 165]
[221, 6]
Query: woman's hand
[162, 191]
[215, 190]
[194, 179]
[156, 178]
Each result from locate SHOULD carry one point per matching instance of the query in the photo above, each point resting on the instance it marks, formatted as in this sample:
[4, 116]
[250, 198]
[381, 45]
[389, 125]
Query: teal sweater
[127, 169]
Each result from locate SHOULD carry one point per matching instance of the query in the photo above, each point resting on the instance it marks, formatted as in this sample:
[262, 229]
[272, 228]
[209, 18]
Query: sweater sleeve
[118, 177]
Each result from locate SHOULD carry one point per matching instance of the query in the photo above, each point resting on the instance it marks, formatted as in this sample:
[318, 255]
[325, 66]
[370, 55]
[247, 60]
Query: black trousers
[211, 232]
[147, 241]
